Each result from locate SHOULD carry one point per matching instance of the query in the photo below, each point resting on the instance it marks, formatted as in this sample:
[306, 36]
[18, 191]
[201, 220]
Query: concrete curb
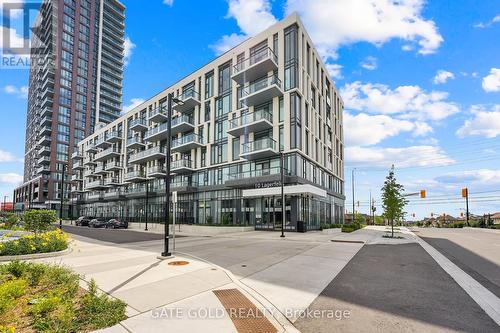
[37, 255]
[488, 301]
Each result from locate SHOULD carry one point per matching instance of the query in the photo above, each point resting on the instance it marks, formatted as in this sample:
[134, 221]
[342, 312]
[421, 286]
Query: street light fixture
[170, 99]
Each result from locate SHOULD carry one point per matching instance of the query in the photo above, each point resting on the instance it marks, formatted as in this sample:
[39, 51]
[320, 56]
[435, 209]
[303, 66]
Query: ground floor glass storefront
[224, 207]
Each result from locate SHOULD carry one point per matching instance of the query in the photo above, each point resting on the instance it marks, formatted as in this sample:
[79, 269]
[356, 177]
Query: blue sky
[420, 82]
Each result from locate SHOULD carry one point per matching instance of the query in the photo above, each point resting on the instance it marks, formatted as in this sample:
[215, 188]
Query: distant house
[495, 218]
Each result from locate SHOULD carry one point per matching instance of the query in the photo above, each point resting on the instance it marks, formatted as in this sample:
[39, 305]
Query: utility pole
[353, 208]
[283, 204]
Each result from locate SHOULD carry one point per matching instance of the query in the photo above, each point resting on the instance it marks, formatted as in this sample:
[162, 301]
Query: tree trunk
[392, 228]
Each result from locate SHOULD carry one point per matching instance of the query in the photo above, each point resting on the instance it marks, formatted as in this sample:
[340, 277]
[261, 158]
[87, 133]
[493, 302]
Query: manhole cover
[178, 263]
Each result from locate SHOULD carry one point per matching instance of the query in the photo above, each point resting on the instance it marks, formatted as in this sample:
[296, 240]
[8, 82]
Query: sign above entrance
[268, 184]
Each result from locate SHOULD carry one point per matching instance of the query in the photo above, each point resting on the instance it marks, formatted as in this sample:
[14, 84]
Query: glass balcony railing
[182, 119]
[256, 173]
[138, 123]
[257, 145]
[156, 170]
[158, 129]
[135, 174]
[158, 112]
[181, 164]
[262, 84]
[135, 141]
[189, 93]
[185, 139]
[146, 153]
[249, 118]
[257, 57]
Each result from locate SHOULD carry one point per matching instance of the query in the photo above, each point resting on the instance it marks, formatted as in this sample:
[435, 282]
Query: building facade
[270, 93]
[75, 86]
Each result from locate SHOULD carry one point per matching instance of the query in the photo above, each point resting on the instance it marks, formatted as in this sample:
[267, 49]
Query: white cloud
[10, 179]
[491, 82]
[6, 156]
[335, 70]
[21, 92]
[478, 177]
[485, 122]
[332, 24]
[227, 42]
[134, 102]
[408, 102]
[365, 130]
[168, 2]
[252, 17]
[413, 156]
[442, 76]
[483, 25]
[369, 63]
[422, 129]
[129, 46]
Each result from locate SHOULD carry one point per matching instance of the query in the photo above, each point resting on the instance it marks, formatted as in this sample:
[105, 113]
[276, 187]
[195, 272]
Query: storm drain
[246, 317]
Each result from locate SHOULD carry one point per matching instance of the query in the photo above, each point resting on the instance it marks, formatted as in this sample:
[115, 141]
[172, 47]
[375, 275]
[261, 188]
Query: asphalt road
[117, 236]
[396, 288]
[476, 252]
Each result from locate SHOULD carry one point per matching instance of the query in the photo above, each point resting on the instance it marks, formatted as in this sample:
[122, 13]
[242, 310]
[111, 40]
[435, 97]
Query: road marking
[488, 301]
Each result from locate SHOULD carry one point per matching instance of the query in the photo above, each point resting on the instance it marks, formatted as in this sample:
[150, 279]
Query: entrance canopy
[289, 190]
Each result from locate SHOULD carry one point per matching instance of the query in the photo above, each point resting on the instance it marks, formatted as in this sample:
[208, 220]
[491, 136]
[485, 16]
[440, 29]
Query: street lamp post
[170, 99]
[147, 205]
[283, 205]
[353, 208]
[62, 197]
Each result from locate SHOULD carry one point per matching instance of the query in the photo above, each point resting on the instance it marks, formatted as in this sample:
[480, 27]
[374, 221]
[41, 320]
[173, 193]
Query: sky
[420, 82]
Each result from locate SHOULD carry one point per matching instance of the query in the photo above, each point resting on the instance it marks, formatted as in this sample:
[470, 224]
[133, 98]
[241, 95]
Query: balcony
[94, 197]
[78, 165]
[43, 169]
[44, 140]
[76, 155]
[90, 148]
[147, 155]
[43, 160]
[187, 142]
[114, 137]
[182, 186]
[99, 170]
[44, 151]
[114, 166]
[89, 161]
[158, 133]
[261, 91]
[181, 166]
[96, 184]
[114, 194]
[45, 130]
[135, 176]
[158, 115]
[156, 172]
[46, 121]
[250, 122]
[139, 190]
[107, 154]
[260, 148]
[46, 112]
[182, 124]
[189, 99]
[77, 177]
[112, 181]
[257, 65]
[138, 125]
[102, 142]
[135, 143]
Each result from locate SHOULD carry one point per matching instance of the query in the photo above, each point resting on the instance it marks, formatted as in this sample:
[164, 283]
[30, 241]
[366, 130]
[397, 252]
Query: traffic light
[413, 214]
[465, 192]
[432, 214]
[422, 194]
[461, 214]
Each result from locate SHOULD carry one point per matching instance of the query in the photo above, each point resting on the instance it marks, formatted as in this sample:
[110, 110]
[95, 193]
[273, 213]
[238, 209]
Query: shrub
[39, 220]
[51, 241]
[330, 226]
[351, 227]
[9, 291]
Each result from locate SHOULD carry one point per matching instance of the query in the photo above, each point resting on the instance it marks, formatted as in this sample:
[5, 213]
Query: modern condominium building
[75, 86]
[270, 93]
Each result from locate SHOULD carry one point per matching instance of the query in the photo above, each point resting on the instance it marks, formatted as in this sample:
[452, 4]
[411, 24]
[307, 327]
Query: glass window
[236, 149]
[209, 85]
[281, 110]
[225, 77]
[291, 59]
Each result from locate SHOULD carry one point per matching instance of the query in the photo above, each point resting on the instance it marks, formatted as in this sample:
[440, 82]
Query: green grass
[47, 298]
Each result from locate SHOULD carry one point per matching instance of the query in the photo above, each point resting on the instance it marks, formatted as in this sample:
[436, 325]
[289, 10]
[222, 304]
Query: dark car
[99, 222]
[83, 221]
[116, 224]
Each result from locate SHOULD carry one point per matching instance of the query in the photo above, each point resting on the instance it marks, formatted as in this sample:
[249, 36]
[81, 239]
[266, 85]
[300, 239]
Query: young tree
[39, 220]
[393, 201]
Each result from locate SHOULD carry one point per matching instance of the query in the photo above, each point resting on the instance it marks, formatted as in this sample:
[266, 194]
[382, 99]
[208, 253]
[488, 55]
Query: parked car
[83, 221]
[99, 222]
[116, 224]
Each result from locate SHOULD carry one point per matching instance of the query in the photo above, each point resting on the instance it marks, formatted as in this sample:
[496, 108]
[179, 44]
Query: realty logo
[17, 46]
